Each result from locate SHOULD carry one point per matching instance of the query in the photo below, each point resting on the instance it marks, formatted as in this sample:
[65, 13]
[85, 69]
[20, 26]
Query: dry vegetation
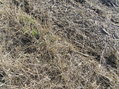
[58, 44]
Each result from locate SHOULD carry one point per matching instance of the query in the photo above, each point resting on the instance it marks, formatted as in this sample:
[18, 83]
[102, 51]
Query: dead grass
[39, 50]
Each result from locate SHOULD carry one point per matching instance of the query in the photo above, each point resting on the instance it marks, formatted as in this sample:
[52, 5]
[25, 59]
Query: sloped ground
[59, 44]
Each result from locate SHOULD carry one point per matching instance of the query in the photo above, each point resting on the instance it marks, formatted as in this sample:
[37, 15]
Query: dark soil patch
[104, 82]
[80, 1]
[110, 3]
[23, 4]
[55, 76]
[26, 39]
[30, 50]
[2, 75]
[112, 61]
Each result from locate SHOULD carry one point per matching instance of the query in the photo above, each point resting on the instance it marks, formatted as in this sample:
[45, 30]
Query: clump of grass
[26, 19]
[35, 33]
[29, 25]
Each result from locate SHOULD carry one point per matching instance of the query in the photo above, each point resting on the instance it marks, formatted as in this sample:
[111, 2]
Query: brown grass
[39, 50]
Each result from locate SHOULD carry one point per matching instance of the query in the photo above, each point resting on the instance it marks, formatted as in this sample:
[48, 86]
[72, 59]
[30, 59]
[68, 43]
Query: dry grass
[60, 50]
